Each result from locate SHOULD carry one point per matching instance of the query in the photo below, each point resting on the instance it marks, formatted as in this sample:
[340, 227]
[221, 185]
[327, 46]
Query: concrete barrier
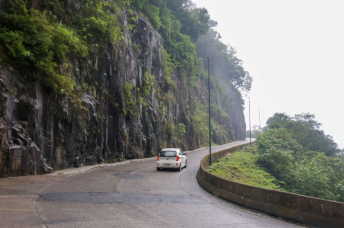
[309, 210]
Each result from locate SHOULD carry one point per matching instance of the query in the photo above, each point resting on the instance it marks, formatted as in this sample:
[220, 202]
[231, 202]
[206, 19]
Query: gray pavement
[131, 194]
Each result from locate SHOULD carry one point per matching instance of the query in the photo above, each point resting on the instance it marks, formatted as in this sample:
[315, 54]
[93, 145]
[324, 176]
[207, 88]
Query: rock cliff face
[41, 131]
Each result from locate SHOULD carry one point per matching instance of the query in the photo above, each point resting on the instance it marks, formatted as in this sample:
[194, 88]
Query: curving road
[128, 195]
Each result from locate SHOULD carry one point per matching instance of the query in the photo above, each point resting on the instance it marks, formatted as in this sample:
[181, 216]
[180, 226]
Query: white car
[172, 158]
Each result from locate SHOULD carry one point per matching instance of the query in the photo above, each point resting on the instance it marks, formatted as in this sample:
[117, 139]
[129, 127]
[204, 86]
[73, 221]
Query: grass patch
[241, 167]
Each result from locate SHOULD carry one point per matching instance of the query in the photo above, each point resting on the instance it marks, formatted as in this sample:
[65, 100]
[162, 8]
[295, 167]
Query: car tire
[180, 167]
[186, 163]
[158, 169]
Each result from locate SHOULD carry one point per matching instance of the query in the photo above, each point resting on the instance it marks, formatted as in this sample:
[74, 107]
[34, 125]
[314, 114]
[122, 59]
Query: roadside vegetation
[292, 155]
[42, 41]
[242, 167]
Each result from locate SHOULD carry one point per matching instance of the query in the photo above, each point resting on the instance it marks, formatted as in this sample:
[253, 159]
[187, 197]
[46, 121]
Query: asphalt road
[128, 195]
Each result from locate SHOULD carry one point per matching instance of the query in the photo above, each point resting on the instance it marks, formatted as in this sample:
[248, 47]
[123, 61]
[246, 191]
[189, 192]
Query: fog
[293, 50]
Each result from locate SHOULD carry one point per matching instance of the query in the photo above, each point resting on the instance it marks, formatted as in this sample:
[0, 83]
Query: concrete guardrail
[309, 210]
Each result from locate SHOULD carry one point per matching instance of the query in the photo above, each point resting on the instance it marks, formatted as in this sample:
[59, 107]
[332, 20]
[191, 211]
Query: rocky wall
[108, 122]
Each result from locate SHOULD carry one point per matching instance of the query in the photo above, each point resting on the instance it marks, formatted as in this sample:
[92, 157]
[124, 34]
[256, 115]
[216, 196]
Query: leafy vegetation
[44, 43]
[34, 44]
[38, 45]
[242, 167]
[301, 156]
[98, 22]
[312, 174]
[181, 25]
[281, 160]
[148, 83]
[128, 99]
[224, 63]
[306, 131]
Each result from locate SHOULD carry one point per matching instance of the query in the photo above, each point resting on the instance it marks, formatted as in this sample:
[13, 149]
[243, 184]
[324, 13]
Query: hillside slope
[111, 91]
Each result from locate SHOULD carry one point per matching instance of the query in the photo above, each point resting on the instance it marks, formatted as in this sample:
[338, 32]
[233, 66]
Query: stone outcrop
[41, 131]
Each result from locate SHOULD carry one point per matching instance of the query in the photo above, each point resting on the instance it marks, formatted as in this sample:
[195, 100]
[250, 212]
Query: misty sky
[294, 50]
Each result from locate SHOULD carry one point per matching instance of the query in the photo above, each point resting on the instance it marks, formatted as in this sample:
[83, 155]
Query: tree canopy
[224, 62]
[301, 156]
[305, 129]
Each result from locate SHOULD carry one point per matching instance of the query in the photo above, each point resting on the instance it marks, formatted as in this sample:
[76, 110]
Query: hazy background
[294, 50]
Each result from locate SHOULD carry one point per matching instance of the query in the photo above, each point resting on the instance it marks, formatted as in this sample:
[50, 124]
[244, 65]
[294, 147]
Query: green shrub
[32, 43]
[152, 12]
[98, 21]
[128, 99]
[300, 171]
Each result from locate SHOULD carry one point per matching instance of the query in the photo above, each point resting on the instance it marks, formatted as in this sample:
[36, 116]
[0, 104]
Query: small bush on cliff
[152, 13]
[97, 21]
[148, 83]
[128, 99]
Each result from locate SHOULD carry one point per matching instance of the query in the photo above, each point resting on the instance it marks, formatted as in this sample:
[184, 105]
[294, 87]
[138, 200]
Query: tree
[195, 21]
[276, 148]
[284, 151]
[305, 129]
[225, 64]
[280, 118]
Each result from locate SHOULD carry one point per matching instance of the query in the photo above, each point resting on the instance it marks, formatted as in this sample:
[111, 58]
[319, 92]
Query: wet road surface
[128, 195]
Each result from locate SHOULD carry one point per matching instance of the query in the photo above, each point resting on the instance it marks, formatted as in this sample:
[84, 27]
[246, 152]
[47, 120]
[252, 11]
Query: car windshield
[167, 154]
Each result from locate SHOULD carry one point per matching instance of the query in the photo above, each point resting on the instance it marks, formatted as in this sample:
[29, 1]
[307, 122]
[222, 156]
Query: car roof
[169, 149]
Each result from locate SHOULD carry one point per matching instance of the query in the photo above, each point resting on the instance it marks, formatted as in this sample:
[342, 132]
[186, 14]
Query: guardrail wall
[309, 210]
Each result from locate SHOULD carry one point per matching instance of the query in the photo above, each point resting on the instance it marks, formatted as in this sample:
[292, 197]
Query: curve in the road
[137, 195]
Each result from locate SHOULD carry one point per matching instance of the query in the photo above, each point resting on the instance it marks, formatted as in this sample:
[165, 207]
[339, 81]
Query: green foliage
[162, 109]
[32, 43]
[224, 62]
[241, 167]
[181, 131]
[146, 88]
[194, 20]
[170, 129]
[132, 18]
[277, 139]
[139, 3]
[168, 69]
[278, 118]
[313, 174]
[310, 173]
[152, 13]
[148, 83]
[306, 131]
[284, 152]
[97, 21]
[128, 99]
[180, 24]
[137, 48]
[41, 43]
[200, 123]
[275, 151]
[164, 18]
